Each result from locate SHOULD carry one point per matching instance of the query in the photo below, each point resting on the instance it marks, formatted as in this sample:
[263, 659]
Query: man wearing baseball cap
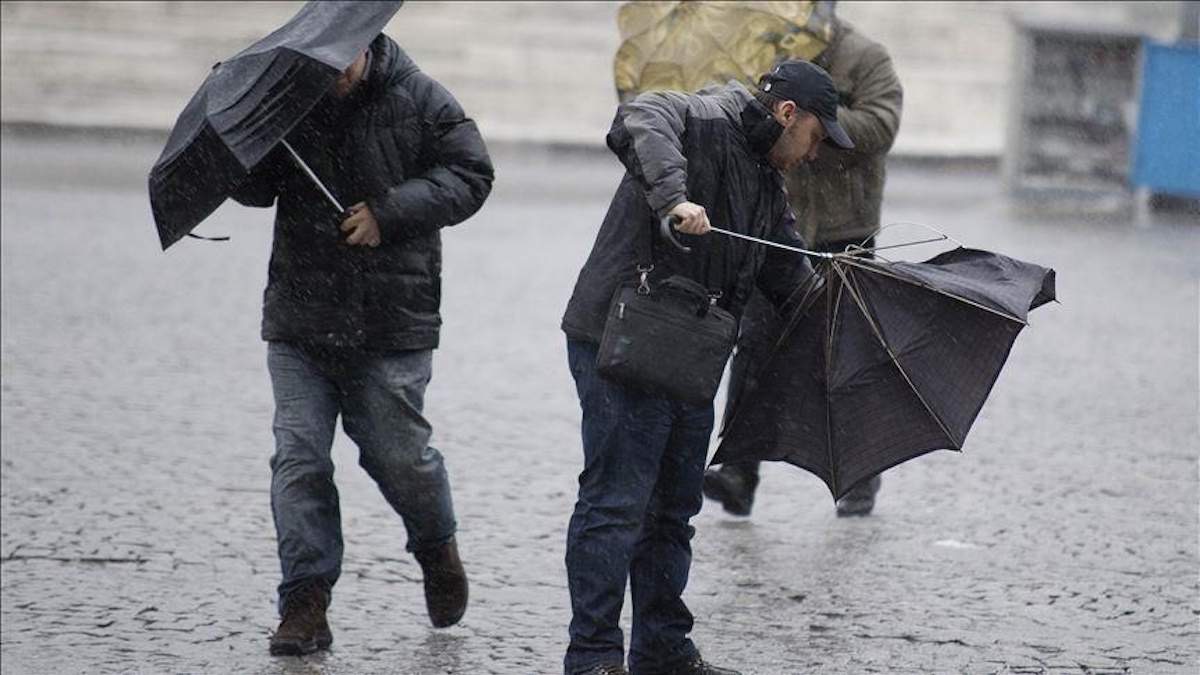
[812, 90]
[717, 155]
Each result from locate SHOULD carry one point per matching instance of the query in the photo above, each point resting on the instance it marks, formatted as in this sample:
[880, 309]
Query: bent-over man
[713, 157]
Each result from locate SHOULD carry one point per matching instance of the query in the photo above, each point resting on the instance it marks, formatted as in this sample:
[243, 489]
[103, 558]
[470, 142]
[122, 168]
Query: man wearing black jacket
[350, 315]
[713, 158]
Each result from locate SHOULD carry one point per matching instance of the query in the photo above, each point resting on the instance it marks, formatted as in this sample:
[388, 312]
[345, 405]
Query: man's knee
[299, 458]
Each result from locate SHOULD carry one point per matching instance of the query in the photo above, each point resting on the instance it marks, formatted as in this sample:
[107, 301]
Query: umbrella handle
[666, 229]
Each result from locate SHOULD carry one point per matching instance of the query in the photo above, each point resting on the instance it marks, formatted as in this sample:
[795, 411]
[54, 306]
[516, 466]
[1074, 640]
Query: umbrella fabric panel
[320, 30]
[951, 352]
[1004, 284]
[188, 188]
[252, 123]
[791, 427]
[877, 419]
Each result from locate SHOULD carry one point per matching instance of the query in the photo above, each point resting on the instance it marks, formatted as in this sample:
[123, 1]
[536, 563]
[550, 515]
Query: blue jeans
[379, 396]
[642, 475]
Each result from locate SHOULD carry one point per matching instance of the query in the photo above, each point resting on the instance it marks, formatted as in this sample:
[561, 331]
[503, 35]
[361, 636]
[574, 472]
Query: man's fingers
[694, 223]
[355, 237]
[349, 224]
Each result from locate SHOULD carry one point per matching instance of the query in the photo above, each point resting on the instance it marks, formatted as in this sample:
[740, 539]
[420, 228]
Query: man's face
[350, 77]
[800, 140]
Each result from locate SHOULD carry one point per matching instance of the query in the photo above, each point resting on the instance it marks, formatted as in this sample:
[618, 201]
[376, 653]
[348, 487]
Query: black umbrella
[248, 103]
[889, 361]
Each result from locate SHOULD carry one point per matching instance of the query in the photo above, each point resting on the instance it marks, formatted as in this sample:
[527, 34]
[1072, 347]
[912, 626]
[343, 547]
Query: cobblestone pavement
[137, 533]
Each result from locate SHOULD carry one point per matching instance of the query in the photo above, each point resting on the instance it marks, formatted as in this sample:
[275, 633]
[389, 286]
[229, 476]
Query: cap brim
[836, 134]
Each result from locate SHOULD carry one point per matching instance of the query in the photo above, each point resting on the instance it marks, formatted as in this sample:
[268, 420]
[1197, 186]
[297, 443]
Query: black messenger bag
[670, 339]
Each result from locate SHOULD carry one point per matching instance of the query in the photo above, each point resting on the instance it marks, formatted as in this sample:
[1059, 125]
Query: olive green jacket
[838, 196]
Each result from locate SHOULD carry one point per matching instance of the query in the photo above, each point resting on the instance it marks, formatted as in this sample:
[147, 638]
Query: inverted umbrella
[889, 361]
[249, 103]
[684, 46]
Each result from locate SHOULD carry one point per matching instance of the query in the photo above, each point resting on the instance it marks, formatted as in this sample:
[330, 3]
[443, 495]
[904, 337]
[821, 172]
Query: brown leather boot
[303, 629]
[445, 584]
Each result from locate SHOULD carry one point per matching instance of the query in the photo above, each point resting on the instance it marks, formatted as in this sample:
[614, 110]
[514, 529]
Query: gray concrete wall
[527, 71]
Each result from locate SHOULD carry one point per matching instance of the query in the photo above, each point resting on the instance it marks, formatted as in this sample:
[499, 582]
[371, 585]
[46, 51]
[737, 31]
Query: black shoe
[733, 488]
[700, 667]
[607, 669]
[445, 584]
[303, 629]
[860, 500]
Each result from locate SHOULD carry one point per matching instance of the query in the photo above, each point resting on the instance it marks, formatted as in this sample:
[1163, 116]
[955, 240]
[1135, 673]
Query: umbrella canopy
[891, 361]
[684, 46]
[248, 103]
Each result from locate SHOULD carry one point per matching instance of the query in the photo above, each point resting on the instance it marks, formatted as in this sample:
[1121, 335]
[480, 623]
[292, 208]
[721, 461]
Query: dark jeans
[379, 396]
[761, 326]
[643, 468]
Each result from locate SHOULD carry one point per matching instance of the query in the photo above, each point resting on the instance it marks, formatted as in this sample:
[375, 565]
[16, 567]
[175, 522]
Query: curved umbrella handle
[666, 229]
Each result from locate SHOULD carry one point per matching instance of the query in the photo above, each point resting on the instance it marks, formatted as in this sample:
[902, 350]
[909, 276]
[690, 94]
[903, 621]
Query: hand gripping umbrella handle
[667, 230]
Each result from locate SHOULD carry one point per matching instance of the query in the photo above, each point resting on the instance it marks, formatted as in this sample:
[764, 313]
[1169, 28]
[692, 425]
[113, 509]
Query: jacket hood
[389, 63]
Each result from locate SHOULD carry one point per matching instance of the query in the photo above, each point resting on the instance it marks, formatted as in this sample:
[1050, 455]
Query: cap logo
[767, 86]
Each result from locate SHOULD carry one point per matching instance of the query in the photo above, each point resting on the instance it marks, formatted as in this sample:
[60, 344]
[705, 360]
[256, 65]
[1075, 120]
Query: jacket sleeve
[456, 182]
[871, 112]
[787, 278]
[647, 136]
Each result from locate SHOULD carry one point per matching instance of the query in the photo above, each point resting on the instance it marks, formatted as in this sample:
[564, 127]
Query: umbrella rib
[882, 341]
[891, 275]
[831, 309]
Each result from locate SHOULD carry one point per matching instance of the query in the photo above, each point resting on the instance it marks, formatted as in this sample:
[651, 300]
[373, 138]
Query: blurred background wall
[538, 72]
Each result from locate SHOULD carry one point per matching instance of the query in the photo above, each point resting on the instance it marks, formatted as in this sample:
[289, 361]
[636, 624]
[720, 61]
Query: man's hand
[691, 218]
[362, 227]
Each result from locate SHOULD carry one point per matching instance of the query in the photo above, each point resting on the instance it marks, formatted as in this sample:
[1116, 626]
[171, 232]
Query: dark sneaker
[303, 629]
[606, 669]
[860, 500]
[445, 584]
[700, 667]
[734, 489]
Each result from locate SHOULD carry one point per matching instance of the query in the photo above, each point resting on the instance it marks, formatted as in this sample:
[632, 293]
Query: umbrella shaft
[739, 235]
[313, 176]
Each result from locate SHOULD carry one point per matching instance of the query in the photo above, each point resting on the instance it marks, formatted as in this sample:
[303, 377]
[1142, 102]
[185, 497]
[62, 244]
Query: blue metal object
[1167, 154]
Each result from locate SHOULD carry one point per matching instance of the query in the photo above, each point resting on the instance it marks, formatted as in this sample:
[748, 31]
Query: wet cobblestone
[136, 531]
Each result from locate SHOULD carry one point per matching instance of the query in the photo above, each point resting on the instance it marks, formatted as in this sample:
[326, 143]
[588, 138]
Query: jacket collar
[760, 127]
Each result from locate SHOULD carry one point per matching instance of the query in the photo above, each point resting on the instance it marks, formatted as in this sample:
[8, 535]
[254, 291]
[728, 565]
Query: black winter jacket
[403, 145]
[708, 148]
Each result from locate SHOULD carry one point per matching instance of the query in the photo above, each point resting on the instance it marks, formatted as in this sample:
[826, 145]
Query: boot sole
[447, 621]
[856, 509]
[301, 648]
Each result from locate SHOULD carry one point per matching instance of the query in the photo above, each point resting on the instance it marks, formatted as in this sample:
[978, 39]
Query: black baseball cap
[811, 88]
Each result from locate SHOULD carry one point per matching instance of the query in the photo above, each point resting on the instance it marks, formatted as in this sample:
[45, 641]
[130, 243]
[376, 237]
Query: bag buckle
[644, 285]
[713, 297]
